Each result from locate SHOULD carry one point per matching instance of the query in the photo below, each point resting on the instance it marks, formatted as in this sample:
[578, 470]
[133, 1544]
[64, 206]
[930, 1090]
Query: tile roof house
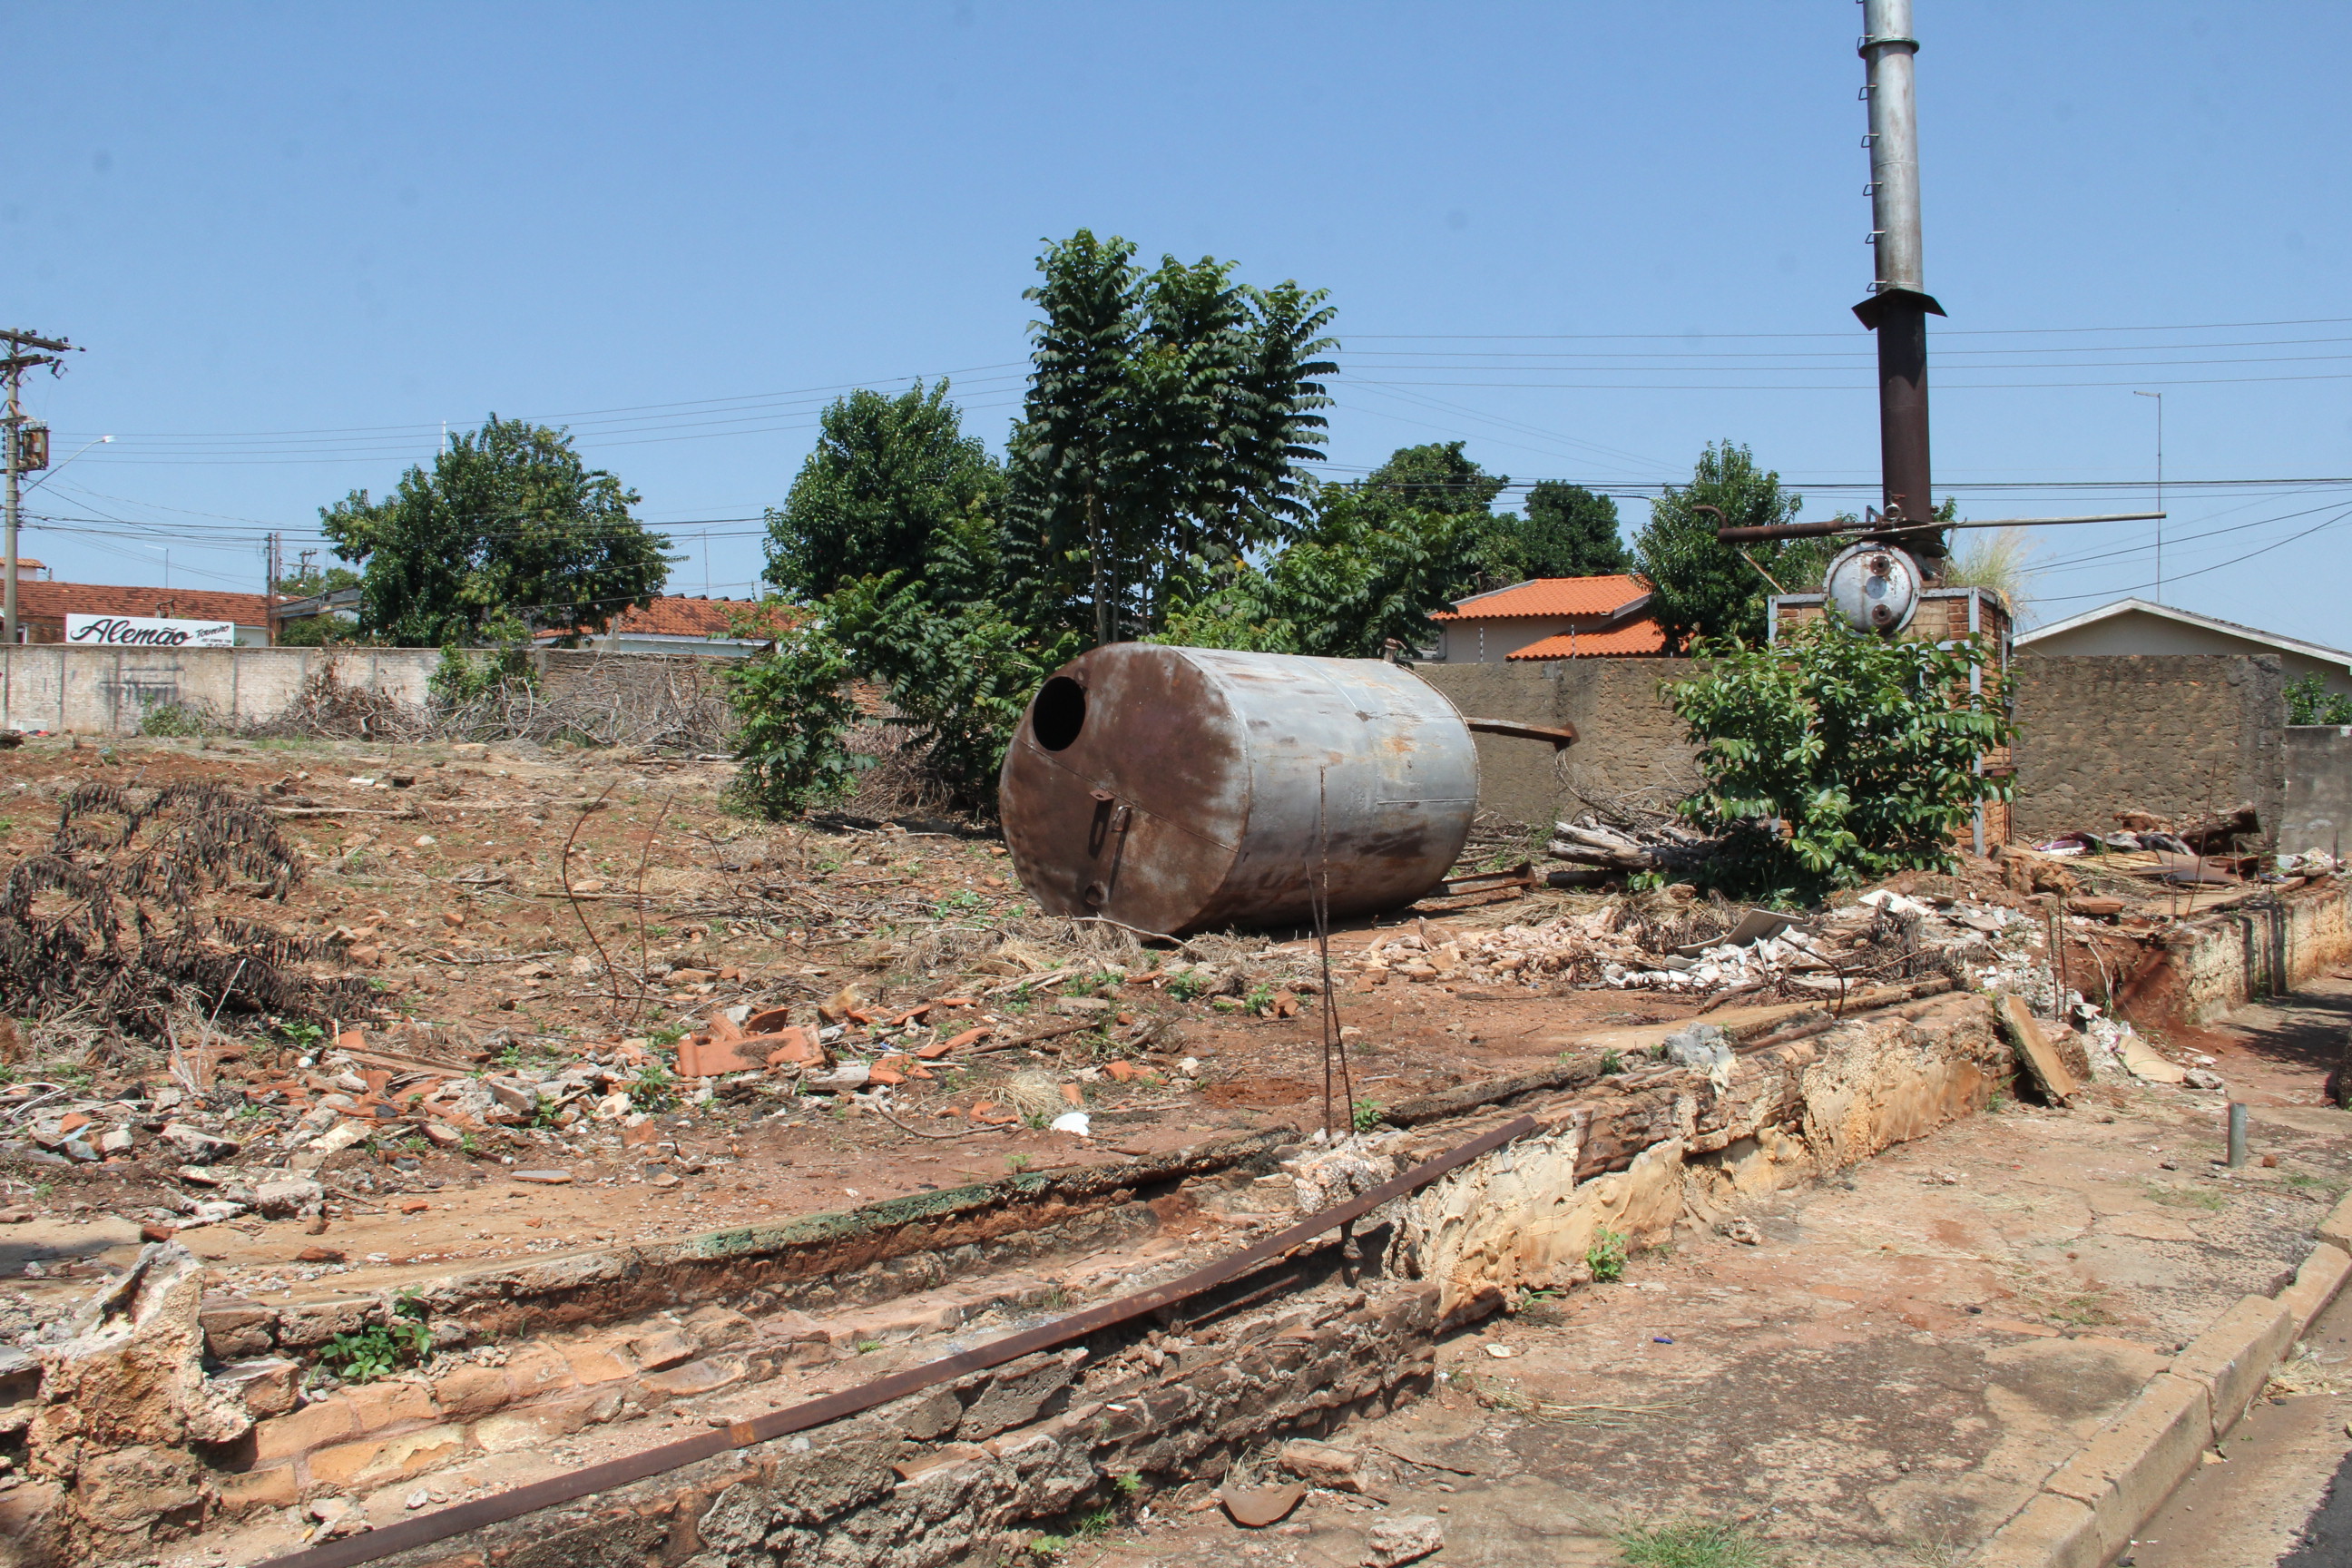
[1552, 617]
[42, 607]
[678, 623]
[2139, 625]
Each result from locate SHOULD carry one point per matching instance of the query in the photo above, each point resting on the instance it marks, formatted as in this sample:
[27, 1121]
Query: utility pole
[272, 552]
[2159, 489]
[1899, 303]
[18, 458]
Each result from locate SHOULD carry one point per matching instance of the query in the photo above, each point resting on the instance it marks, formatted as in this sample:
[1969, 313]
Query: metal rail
[1897, 529]
[425, 1529]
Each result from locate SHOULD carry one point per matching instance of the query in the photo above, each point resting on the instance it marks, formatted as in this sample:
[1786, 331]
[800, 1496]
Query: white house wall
[2132, 633]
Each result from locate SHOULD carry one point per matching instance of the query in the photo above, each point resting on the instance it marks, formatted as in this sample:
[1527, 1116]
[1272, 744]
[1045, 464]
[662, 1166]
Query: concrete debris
[1408, 1538]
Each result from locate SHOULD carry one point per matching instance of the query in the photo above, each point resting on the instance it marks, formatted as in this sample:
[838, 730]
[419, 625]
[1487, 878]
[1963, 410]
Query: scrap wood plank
[2035, 1051]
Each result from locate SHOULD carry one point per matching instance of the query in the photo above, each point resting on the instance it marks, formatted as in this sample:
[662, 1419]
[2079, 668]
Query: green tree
[1700, 588]
[1835, 757]
[1568, 531]
[889, 477]
[508, 526]
[1166, 418]
[1367, 573]
[1437, 477]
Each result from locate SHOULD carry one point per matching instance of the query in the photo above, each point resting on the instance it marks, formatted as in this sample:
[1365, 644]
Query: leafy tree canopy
[1166, 414]
[509, 531]
[1703, 588]
[1568, 531]
[889, 478]
[1435, 478]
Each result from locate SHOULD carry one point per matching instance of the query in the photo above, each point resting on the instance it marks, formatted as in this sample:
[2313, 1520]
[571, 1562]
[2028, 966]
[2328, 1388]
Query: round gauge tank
[1172, 789]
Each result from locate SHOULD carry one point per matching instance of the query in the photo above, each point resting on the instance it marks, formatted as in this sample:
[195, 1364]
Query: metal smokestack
[1899, 303]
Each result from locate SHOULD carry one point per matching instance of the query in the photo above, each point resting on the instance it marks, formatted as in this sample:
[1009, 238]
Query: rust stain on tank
[1176, 788]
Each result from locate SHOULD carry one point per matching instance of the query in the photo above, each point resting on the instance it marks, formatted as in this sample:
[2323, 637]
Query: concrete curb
[2088, 1509]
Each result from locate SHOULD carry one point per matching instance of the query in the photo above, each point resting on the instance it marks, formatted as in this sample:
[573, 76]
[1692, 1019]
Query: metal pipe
[1814, 529]
[1900, 304]
[2237, 1133]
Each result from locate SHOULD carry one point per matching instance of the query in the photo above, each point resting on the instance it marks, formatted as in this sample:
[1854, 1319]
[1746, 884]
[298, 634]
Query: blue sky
[295, 239]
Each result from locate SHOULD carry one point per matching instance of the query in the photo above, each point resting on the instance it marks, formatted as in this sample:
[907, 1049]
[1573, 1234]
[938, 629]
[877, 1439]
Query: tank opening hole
[1059, 713]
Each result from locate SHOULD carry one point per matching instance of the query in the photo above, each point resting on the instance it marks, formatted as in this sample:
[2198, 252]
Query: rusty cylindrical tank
[1176, 788]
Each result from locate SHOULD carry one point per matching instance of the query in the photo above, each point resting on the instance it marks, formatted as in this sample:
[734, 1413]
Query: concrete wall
[103, 691]
[2174, 734]
[1633, 747]
[2318, 789]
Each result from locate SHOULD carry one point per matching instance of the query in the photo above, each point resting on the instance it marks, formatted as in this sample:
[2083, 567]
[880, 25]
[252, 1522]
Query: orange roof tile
[1607, 596]
[1643, 636]
[55, 601]
[682, 616]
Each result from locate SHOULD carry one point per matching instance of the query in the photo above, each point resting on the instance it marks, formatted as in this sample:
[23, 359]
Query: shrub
[794, 706]
[2308, 702]
[1836, 758]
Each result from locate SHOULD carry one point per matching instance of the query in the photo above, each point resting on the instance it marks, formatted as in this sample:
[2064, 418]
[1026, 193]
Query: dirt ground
[1892, 1369]
[439, 870]
[1873, 1381]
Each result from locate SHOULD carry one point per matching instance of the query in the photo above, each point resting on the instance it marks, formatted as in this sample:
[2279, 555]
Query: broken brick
[939, 1048]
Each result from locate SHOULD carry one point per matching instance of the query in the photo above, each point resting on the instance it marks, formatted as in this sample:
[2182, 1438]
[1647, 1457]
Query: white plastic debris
[1072, 1122]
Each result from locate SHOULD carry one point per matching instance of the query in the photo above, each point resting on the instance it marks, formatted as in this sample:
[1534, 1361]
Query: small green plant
[1049, 1548]
[666, 1037]
[1994, 1102]
[954, 904]
[302, 1036]
[379, 1349]
[1606, 1256]
[1611, 1064]
[653, 1090]
[868, 1347]
[1188, 984]
[1096, 1521]
[7, 825]
[1365, 1116]
[468, 1145]
[1016, 1164]
[1259, 1002]
[248, 1111]
[1126, 1483]
[1693, 1544]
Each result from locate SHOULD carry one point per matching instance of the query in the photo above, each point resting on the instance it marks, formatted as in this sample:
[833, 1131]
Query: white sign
[147, 631]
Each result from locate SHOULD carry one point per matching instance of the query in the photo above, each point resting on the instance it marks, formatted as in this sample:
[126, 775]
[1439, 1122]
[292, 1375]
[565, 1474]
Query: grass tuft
[1693, 1544]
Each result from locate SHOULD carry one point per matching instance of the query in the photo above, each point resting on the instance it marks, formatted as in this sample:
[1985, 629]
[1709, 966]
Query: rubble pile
[1881, 935]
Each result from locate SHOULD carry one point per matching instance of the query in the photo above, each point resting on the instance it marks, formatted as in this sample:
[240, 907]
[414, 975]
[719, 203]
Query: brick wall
[1631, 745]
[2176, 734]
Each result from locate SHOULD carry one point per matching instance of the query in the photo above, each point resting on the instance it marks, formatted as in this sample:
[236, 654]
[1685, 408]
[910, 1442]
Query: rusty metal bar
[1896, 531]
[1559, 735]
[425, 1529]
